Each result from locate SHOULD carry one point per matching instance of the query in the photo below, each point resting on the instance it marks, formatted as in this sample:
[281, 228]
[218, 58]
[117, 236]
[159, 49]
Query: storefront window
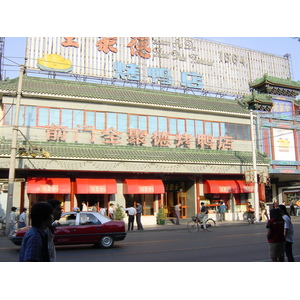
[54, 116]
[190, 124]
[148, 205]
[89, 118]
[111, 120]
[67, 118]
[162, 123]
[122, 122]
[247, 132]
[100, 120]
[199, 127]
[78, 117]
[43, 116]
[152, 124]
[119, 121]
[172, 126]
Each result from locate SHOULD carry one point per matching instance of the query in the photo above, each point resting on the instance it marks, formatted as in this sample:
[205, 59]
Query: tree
[119, 214]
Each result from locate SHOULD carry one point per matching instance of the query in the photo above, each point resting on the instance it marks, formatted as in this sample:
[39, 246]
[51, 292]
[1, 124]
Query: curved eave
[136, 160]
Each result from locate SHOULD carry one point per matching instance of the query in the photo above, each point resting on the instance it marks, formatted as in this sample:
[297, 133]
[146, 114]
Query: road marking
[147, 242]
[243, 234]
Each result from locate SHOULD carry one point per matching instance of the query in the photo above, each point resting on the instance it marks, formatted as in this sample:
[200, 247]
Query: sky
[14, 50]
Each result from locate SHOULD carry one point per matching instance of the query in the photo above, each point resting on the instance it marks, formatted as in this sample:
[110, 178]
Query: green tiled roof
[44, 87]
[266, 79]
[260, 98]
[143, 154]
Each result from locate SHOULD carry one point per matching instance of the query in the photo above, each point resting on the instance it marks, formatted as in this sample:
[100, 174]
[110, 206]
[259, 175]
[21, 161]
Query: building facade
[278, 125]
[101, 144]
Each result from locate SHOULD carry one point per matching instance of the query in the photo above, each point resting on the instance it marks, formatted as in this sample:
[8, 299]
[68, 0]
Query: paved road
[225, 244]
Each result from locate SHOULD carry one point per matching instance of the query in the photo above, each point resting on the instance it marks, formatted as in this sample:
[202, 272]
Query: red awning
[95, 186]
[227, 187]
[48, 186]
[143, 186]
[245, 187]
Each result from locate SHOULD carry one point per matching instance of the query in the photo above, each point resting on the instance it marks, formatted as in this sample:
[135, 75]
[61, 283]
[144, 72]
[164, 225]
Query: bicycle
[195, 224]
[249, 217]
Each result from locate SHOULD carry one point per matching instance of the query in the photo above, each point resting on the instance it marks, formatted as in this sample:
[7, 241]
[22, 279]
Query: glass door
[181, 198]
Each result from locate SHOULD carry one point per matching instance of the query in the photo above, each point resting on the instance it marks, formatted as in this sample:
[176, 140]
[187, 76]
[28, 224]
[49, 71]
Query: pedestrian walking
[139, 211]
[83, 206]
[263, 211]
[288, 233]
[222, 210]
[275, 235]
[23, 218]
[292, 208]
[12, 220]
[111, 211]
[177, 213]
[131, 211]
[57, 210]
[102, 211]
[34, 245]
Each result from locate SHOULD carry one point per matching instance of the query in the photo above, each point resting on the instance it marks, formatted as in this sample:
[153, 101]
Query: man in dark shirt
[35, 242]
[139, 211]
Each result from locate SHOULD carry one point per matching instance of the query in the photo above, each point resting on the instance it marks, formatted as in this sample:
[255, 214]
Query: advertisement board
[284, 147]
[190, 63]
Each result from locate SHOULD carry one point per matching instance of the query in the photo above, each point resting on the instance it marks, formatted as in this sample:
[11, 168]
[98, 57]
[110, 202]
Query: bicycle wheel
[192, 226]
[210, 224]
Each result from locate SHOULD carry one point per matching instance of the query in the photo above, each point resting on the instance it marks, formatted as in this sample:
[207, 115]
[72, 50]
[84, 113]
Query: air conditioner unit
[4, 187]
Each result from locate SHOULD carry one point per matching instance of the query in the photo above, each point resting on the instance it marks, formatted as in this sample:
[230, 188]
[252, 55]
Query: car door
[66, 229]
[89, 228]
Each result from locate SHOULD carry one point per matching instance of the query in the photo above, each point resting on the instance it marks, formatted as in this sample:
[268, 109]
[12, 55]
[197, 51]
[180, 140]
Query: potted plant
[119, 213]
[161, 216]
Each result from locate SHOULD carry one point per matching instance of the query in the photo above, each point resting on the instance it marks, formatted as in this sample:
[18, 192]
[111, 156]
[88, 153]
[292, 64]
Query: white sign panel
[284, 144]
[171, 61]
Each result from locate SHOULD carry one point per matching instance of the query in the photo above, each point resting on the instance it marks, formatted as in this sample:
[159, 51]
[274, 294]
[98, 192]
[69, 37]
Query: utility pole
[12, 166]
[253, 142]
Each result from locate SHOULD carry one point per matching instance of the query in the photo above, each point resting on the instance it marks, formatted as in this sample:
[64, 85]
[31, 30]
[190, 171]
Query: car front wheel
[106, 241]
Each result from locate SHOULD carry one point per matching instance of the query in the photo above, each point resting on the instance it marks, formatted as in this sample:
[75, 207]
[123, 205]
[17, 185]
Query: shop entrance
[146, 200]
[93, 201]
[33, 198]
[174, 198]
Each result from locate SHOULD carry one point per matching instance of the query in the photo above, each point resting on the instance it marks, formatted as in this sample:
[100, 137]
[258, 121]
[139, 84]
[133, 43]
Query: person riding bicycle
[250, 214]
[203, 214]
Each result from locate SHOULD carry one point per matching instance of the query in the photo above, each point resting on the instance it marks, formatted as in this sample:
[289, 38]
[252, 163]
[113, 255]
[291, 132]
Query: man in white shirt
[111, 211]
[131, 211]
[23, 218]
[84, 207]
[288, 233]
[12, 220]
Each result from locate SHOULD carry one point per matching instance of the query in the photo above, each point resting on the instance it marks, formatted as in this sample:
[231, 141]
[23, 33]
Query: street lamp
[12, 166]
[253, 142]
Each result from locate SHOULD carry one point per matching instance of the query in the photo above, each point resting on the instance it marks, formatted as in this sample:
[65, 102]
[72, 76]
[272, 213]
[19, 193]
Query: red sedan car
[82, 228]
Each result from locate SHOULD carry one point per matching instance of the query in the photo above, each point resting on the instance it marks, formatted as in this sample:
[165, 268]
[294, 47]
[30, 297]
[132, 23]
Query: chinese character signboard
[172, 61]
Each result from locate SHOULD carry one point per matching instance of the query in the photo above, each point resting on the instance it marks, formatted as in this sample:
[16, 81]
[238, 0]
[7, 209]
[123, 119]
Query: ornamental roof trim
[142, 154]
[260, 98]
[267, 79]
[45, 87]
